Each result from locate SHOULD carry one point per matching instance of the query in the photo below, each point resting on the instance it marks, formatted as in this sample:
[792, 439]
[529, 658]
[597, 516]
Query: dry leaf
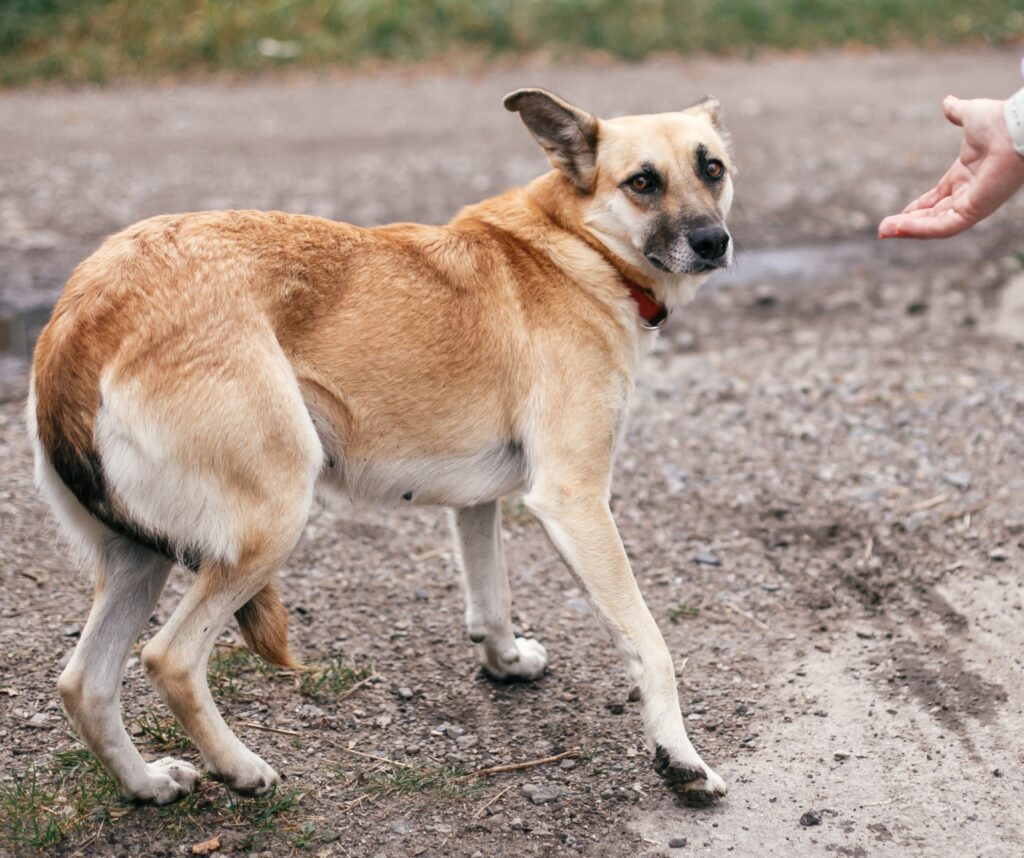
[207, 846]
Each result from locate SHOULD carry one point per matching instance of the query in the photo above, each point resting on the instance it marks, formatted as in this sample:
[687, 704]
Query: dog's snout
[710, 242]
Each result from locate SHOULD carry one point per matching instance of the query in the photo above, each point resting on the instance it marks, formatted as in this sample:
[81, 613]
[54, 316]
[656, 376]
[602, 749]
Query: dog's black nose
[710, 242]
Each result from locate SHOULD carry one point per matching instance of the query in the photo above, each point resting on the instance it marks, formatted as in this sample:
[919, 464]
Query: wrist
[1013, 115]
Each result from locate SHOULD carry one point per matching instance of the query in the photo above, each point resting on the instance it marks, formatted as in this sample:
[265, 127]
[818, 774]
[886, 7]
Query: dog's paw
[692, 781]
[529, 661]
[249, 775]
[167, 780]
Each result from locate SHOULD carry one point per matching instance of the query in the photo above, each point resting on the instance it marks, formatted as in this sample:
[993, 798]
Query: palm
[985, 175]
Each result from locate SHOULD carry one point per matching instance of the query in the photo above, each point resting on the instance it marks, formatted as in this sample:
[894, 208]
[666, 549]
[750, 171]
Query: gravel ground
[820, 492]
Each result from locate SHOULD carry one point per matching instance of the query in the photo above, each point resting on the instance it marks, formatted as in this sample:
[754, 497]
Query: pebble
[841, 755]
[540, 794]
[810, 818]
[405, 692]
[960, 479]
[40, 719]
[567, 764]
[677, 843]
[998, 554]
[706, 558]
[517, 824]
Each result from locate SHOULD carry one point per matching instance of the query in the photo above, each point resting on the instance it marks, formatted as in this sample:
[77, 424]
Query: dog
[202, 373]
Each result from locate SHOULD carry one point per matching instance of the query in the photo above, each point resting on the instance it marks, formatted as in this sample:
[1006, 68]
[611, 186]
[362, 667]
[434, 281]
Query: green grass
[437, 780]
[73, 798]
[331, 676]
[161, 732]
[683, 611]
[101, 40]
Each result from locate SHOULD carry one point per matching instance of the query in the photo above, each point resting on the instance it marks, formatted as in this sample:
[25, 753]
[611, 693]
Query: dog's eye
[714, 169]
[642, 183]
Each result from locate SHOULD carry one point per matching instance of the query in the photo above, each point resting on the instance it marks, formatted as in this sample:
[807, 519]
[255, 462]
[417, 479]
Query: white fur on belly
[455, 481]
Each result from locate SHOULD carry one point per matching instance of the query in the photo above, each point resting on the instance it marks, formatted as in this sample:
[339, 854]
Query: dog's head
[654, 190]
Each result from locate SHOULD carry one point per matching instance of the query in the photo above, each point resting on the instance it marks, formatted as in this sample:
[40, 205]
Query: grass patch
[684, 611]
[101, 40]
[232, 672]
[331, 676]
[44, 806]
[161, 732]
[433, 778]
[72, 799]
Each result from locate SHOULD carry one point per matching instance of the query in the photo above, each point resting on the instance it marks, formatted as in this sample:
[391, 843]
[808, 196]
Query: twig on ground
[747, 616]
[356, 753]
[356, 687]
[266, 729]
[928, 503]
[515, 767]
[491, 801]
[966, 513]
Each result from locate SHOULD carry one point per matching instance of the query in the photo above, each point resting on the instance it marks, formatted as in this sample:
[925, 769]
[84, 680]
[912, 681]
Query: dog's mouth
[703, 266]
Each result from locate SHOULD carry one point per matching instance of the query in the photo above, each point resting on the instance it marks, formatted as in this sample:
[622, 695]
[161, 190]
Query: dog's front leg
[581, 527]
[477, 533]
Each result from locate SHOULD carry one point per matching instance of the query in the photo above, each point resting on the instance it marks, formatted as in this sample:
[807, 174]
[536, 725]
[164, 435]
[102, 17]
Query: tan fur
[202, 370]
[263, 621]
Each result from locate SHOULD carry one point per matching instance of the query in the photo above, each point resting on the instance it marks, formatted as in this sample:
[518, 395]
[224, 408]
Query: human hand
[986, 175]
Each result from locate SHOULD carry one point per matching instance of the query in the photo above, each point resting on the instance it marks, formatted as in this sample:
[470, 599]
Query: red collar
[653, 312]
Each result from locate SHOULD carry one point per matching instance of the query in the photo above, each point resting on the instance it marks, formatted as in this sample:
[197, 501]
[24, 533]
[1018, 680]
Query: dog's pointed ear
[710, 109]
[566, 133]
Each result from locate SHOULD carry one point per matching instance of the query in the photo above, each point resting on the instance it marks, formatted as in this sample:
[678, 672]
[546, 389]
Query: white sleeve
[1013, 113]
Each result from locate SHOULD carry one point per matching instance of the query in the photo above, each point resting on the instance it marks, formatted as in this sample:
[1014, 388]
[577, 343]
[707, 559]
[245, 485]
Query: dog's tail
[264, 624]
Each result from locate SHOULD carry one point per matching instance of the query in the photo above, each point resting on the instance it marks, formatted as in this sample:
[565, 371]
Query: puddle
[801, 263]
[797, 263]
[19, 331]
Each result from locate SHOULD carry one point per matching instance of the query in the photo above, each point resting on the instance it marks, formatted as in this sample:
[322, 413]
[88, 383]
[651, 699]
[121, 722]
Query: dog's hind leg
[176, 662]
[477, 533]
[128, 583]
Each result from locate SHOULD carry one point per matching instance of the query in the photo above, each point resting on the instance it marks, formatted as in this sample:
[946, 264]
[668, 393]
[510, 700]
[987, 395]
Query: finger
[953, 107]
[925, 201]
[944, 225]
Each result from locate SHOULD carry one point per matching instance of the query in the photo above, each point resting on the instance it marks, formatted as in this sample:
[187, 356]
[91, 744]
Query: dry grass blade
[515, 767]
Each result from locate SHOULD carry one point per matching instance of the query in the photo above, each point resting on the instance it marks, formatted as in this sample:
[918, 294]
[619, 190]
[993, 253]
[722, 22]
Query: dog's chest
[460, 480]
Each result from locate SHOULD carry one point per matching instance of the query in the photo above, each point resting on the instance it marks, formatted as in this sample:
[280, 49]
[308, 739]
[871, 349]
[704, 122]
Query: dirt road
[821, 491]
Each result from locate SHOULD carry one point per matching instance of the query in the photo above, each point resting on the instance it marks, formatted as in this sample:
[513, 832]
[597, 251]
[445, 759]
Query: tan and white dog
[202, 373]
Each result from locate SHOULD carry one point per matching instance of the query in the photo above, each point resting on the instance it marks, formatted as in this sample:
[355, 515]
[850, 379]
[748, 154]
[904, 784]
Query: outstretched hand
[986, 175]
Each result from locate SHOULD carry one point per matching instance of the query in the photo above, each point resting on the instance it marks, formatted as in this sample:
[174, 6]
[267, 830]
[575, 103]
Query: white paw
[691, 779]
[167, 780]
[527, 662]
[248, 775]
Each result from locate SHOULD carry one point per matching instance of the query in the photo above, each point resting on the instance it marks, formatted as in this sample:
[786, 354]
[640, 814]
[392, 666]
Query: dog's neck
[553, 195]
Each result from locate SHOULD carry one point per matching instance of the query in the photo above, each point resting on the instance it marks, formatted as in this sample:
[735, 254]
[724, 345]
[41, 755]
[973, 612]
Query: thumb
[953, 107]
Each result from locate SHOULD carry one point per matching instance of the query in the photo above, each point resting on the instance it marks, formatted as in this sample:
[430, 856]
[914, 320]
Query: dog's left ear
[710, 109]
[567, 134]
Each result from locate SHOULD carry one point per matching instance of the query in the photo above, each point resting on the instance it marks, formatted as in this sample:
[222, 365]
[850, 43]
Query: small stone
[540, 794]
[960, 479]
[998, 554]
[40, 719]
[677, 843]
[466, 742]
[634, 694]
[517, 824]
[567, 764]
[841, 755]
[811, 818]
[71, 631]
[706, 558]
[615, 707]
[405, 692]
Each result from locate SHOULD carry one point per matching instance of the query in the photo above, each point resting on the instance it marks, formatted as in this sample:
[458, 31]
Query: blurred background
[105, 40]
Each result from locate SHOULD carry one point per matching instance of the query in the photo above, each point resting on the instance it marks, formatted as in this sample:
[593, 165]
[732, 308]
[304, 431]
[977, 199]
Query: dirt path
[835, 431]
